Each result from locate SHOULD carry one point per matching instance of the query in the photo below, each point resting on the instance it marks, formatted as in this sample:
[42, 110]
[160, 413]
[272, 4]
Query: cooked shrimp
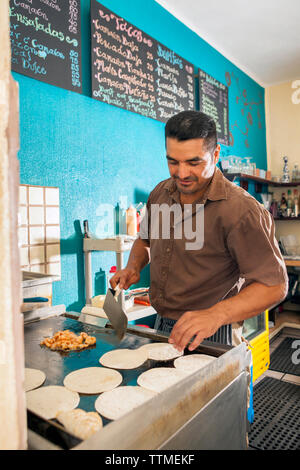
[68, 340]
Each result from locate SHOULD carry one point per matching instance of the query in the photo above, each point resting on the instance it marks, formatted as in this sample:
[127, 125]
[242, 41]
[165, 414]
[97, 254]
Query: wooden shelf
[286, 218]
[119, 244]
[283, 185]
[233, 176]
[292, 262]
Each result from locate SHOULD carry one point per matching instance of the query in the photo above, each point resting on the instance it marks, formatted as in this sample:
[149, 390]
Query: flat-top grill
[163, 416]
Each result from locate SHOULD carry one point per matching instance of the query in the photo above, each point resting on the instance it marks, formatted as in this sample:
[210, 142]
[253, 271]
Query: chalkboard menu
[133, 71]
[214, 102]
[46, 41]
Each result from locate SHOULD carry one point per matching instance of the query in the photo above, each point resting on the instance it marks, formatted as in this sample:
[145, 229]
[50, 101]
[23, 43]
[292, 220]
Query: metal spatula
[114, 312]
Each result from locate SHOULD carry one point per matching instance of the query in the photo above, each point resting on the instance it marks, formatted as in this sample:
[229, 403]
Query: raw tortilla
[160, 378]
[92, 380]
[192, 362]
[48, 401]
[121, 400]
[80, 423]
[34, 378]
[161, 351]
[124, 358]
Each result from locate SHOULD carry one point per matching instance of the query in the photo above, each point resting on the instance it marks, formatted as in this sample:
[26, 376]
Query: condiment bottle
[131, 221]
[283, 205]
[274, 207]
[289, 204]
[111, 273]
[296, 203]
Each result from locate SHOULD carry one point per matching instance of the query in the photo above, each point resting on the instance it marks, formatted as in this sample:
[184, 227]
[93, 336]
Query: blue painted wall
[96, 153]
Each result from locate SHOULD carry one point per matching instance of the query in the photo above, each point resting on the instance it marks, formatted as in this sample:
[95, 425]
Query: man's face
[190, 164]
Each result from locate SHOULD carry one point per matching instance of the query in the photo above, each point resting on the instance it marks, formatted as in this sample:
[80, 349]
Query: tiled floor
[276, 416]
[288, 327]
[280, 376]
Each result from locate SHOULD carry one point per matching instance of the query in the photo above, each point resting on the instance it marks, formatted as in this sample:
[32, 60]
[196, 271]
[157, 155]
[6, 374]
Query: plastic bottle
[289, 204]
[112, 271]
[122, 215]
[138, 208]
[131, 221]
[295, 173]
[296, 203]
[283, 205]
[138, 220]
[274, 206]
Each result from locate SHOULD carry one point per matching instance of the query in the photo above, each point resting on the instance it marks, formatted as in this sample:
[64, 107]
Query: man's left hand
[199, 323]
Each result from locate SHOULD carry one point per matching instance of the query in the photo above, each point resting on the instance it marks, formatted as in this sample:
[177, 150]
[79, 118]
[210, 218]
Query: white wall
[283, 138]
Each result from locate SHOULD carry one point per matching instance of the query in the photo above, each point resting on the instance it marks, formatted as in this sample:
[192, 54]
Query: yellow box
[261, 350]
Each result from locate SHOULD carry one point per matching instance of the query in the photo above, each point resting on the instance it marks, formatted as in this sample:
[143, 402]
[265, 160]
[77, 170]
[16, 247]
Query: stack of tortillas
[192, 362]
[116, 403]
[124, 358]
[34, 378]
[92, 380]
[161, 351]
[80, 423]
[48, 401]
[160, 378]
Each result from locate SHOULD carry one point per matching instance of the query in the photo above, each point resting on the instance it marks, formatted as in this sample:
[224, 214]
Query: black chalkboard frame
[223, 138]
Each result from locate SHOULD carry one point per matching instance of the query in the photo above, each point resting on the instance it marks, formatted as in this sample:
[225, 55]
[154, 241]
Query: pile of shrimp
[66, 340]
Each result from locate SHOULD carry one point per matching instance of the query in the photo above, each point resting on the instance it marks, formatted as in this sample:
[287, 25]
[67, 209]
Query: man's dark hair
[192, 125]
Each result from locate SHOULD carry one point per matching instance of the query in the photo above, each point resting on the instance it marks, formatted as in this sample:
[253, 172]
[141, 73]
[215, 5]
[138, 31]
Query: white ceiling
[261, 37]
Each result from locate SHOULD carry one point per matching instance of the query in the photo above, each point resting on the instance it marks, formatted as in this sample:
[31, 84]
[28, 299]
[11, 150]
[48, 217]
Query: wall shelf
[119, 244]
[287, 218]
[257, 179]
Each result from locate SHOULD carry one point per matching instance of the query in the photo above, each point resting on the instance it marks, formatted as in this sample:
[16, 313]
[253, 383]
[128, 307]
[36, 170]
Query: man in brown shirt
[231, 270]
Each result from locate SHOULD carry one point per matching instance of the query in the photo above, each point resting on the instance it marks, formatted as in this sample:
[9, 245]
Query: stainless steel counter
[205, 410]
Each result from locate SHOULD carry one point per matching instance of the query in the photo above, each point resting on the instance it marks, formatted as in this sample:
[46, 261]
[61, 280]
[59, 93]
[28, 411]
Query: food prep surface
[57, 364]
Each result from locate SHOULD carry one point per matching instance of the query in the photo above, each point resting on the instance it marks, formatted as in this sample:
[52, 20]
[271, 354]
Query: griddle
[58, 364]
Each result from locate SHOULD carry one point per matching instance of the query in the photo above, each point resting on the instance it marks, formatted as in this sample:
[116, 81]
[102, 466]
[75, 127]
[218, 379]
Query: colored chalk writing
[46, 41]
[213, 100]
[133, 71]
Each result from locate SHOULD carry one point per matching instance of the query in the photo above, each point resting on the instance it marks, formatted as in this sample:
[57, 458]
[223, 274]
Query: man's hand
[125, 278]
[252, 300]
[138, 258]
[199, 323]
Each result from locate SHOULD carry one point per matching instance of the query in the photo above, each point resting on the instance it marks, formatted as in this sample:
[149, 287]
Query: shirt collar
[216, 190]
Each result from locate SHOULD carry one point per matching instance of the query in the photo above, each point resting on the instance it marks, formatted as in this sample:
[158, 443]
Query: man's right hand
[125, 278]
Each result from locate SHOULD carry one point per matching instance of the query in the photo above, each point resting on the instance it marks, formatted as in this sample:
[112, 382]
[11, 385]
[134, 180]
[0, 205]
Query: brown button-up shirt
[239, 247]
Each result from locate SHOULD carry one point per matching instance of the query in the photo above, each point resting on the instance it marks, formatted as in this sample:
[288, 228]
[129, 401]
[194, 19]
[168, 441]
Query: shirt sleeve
[253, 245]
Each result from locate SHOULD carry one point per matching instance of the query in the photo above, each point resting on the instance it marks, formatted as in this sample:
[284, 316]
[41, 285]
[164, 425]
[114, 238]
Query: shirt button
[168, 250]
